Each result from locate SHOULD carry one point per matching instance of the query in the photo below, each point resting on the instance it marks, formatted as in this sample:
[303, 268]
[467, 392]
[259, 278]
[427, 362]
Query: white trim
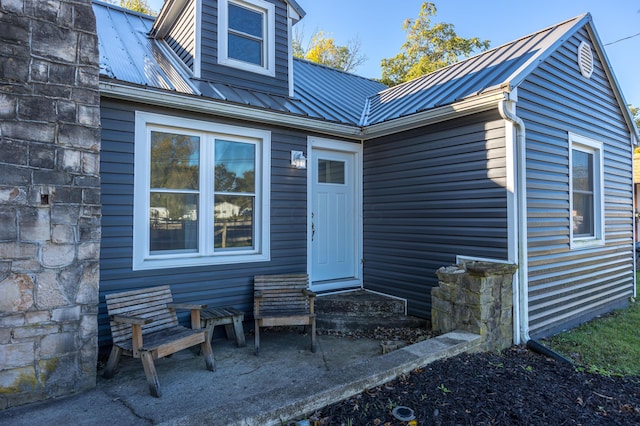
[197, 60]
[269, 29]
[208, 132]
[594, 147]
[464, 107]
[290, 52]
[188, 102]
[314, 142]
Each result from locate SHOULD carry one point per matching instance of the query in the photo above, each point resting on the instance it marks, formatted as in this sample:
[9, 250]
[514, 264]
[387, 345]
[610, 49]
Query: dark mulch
[515, 387]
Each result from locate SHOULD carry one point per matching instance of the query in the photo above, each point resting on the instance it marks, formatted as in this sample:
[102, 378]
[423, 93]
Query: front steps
[362, 310]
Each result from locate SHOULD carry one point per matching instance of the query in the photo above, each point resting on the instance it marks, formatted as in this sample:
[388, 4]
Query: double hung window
[246, 35]
[201, 193]
[586, 189]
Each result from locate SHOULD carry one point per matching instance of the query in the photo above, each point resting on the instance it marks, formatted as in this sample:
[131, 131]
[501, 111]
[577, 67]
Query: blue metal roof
[503, 67]
[129, 55]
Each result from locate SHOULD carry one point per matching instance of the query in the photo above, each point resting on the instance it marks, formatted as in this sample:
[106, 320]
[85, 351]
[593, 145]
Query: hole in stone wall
[44, 199]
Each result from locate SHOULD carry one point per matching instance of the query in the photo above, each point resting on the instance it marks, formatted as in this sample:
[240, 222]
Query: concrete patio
[285, 382]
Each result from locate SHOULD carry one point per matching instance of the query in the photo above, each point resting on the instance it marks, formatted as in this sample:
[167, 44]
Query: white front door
[334, 219]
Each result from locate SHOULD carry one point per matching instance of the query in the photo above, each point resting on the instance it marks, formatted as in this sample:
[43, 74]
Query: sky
[378, 26]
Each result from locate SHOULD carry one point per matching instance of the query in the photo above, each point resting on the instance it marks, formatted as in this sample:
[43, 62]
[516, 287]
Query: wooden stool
[231, 318]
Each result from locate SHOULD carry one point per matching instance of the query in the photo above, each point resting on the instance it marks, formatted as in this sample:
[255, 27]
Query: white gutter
[194, 103]
[473, 105]
[521, 299]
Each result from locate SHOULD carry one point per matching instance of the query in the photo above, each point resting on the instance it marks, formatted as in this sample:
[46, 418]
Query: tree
[635, 112]
[141, 6]
[429, 46]
[323, 49]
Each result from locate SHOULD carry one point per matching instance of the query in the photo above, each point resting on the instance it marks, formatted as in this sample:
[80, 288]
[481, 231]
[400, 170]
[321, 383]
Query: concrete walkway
[285, 382]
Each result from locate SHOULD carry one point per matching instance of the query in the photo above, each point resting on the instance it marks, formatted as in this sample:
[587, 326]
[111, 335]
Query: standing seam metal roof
[128, 54]
[479, 74]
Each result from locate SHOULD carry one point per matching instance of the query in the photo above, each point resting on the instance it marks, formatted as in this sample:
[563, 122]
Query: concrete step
[362, 310]
[359, 302]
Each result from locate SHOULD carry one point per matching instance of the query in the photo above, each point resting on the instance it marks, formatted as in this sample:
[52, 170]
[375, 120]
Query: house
[191, 149]
[521, 154]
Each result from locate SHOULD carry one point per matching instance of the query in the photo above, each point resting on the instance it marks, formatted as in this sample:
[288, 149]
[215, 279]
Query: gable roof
[130, 56]
[498, 69]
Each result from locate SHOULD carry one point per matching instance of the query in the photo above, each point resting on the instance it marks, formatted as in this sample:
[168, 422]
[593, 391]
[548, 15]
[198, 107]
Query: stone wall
[475, 297]
[49, 199]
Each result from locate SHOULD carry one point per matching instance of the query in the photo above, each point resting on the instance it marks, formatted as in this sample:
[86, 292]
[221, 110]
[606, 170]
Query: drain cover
[403, 413]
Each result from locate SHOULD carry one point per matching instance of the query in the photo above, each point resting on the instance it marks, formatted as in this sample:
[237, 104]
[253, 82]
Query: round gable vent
[585, 59]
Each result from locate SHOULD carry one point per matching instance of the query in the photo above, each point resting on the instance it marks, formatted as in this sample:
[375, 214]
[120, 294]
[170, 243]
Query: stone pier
[475, 297]
[49, 199]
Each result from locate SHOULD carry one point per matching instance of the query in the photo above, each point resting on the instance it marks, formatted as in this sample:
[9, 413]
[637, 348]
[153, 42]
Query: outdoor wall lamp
[298, 160]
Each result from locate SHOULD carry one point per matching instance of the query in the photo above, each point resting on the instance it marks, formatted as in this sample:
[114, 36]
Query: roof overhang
[468, 106]
[185, 102]
[172, 9]
[626, 112]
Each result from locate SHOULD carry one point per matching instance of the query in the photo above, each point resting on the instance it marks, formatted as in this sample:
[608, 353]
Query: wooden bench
[283, 300]
[231, 318]
[144, 325]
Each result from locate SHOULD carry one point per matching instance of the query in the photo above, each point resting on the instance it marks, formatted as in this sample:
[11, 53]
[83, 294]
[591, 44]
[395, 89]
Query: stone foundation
[476, 297]
[49, 199]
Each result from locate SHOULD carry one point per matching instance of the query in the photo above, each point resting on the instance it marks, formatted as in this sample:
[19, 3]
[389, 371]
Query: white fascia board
[202, 105]
[464, 107]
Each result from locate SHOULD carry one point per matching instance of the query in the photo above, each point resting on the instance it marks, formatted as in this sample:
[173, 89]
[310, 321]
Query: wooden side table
[231, 318]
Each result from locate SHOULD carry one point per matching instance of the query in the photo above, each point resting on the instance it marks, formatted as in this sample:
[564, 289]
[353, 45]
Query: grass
[607, 345]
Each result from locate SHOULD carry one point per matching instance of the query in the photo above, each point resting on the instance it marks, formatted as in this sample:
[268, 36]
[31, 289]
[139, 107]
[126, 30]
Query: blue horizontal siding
[566, 286]
[429, 195]
[220, 285]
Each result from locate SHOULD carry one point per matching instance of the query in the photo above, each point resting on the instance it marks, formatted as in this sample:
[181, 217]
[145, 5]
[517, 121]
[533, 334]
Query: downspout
[506, 108]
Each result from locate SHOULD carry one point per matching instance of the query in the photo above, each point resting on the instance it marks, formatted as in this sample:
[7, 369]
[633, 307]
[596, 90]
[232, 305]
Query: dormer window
[246, 35]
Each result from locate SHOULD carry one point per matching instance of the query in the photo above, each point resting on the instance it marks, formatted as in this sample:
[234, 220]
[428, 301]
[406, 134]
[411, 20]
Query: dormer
[243, 43]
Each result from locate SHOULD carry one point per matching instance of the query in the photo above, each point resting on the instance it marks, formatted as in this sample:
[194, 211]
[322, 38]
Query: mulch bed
[514, 387]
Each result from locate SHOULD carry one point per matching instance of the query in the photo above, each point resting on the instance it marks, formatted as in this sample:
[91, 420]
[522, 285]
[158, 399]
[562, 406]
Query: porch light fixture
[298, 160]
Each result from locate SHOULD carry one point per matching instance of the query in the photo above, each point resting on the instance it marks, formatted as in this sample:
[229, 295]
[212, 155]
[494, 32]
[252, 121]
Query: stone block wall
[49, 199]
[476, 297]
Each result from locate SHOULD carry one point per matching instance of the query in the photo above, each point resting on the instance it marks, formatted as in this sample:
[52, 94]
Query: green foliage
[428, 47]
[443, 388]
[322, 49]
[607, 345]
[635, 112]
[141, 6]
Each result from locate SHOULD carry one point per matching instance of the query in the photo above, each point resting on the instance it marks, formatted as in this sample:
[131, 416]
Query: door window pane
[331, 171]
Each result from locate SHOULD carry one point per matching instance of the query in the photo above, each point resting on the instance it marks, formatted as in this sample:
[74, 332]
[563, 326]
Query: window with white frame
[246, 38]
[586, 185]
[201, 193]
